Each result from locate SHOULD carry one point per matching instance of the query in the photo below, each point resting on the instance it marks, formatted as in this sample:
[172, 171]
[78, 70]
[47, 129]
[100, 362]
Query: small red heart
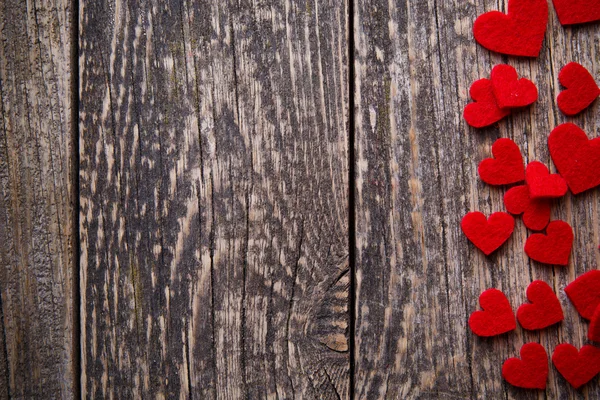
[488, 234]
[536, 213]
[510, 91]
[554, 247]
[542, 184]
[577, 367]
[529, 372]
[584, 293]
[518, 33]
[497, 316]
[507, 166]
[485, 111]
[544, 310]
[577, 11]
[594, 332]
[581, 89]
[576, 157]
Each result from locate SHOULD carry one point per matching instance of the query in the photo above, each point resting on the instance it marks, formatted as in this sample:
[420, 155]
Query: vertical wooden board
[214, 199]
[418, 278]
[36, 201]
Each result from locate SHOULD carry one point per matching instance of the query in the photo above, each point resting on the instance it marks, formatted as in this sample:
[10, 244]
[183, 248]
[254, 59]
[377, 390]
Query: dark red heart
[577, 367]
[577, 11]
[554, 247]
[581, 89]
[529, 372]
[510, 91]
[485, 110]
[542, 184]
[576, 157]
[544, 310]
[518, 33]
[488, 234]
[536, 213]
[497, 316]
[507, 166]
[584, 293]
[594, 331]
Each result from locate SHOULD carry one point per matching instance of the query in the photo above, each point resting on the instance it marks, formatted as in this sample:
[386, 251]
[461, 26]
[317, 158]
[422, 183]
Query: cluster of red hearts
[521, 32]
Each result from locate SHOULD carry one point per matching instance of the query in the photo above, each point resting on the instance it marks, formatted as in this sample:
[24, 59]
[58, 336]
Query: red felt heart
[497, 316]
[507, 166]
[536, 213]
[529, 372]
[584, 293]
[542, 184]
[581, 89]
[485, 110]
[544, 310]
[518, 33]
[577, 367]
[577, 11]
[510, 91]
[488, 234]
[576, 158]
[554, 247]
[594, 332]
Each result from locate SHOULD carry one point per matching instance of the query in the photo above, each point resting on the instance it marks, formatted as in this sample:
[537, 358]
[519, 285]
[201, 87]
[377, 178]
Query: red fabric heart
[497, 316]
[536, 213]
[581, 89]
[518, 33]
[507, 166]
[544, 310]
[576, 158]
[510, 91]
[485, 111]
[554, 247]
[488, 234]
[594, 332]
[542, 184]
[584, 293]
[529, 372]
[577, 11]
[577, 367]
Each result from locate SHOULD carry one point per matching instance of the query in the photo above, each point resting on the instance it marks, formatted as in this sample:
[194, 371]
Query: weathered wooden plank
[36, 203]
[418, 278]
[214, 213]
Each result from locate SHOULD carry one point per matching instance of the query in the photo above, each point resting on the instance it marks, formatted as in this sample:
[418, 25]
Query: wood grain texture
[418, 278]
[214, 211]
[36, 202]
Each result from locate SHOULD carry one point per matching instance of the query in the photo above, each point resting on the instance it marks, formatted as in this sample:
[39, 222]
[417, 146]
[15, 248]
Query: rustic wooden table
[261, 199]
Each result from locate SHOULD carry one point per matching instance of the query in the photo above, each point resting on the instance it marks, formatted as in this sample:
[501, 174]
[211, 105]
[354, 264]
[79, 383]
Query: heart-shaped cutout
[594, 331]
[497, 316]
[488, 234]
[572, 12]
[518, 33]
[577, 367]
[542, 184]
[544, 310]
[507, 165]
[581, 89]
[554, 247]
[510, 91]
[529, 372]
[576, 157]
[485, 111]
[536, 213]
[584, 293]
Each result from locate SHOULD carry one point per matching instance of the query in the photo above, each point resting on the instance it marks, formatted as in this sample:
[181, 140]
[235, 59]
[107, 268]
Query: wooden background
[261, 199]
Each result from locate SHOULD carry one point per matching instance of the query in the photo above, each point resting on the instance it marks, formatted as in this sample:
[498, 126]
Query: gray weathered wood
[418, 278]
[37, 246]
[214, 211]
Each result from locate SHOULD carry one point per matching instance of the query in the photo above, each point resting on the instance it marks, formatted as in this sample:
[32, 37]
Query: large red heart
[576, 158]
[485, 111]
[536, 213]
[510, 91]
[542, 184]
[488, 234]
[554, 247]
[507, 166]
[577, 11]
[497, 316]
[594, 331]
[584, 293]
[529, 372]
[518, 33]
[577, 367]
[544, 310]
[581, 89]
